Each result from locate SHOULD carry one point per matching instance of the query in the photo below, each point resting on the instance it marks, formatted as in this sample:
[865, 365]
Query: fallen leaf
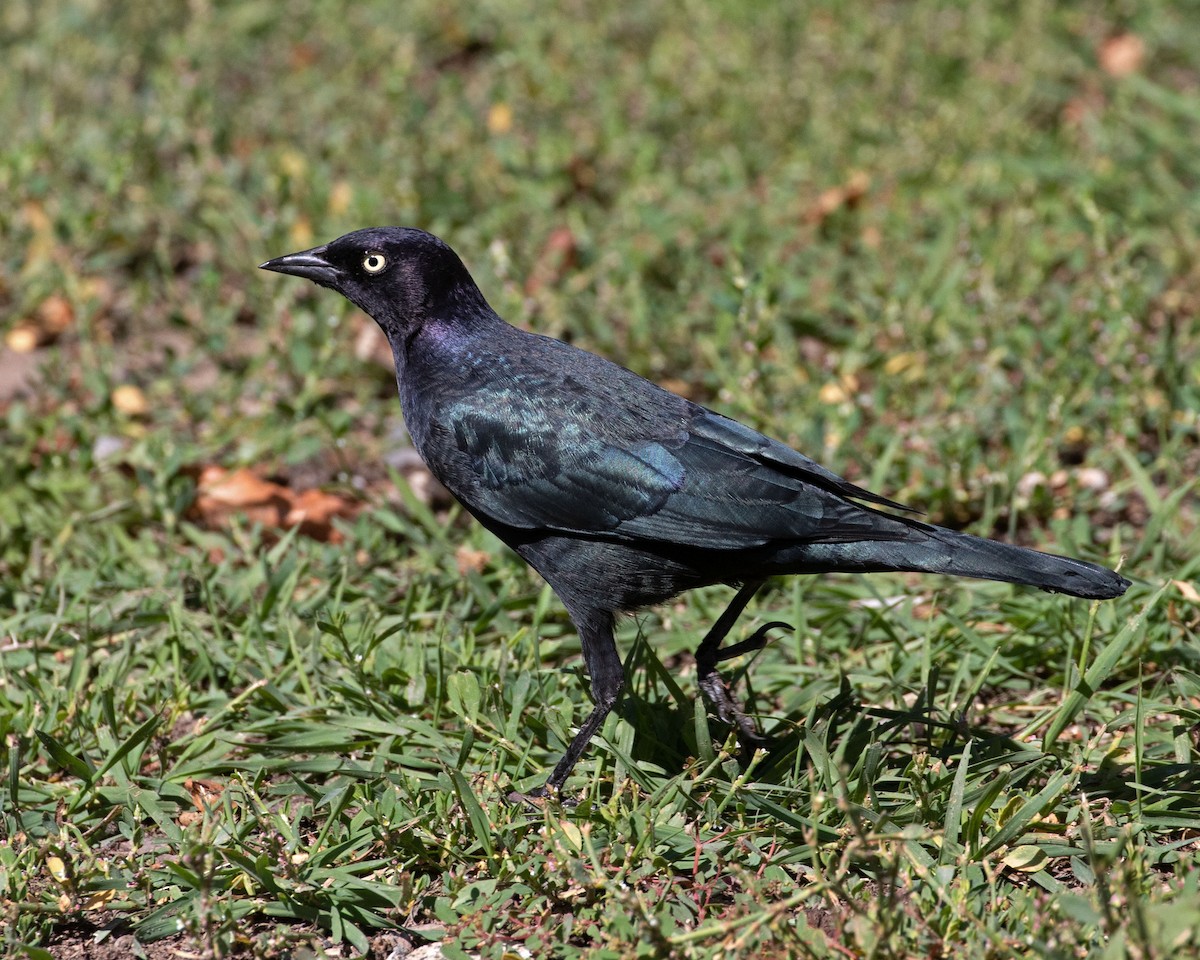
[1187, 590]
[840, 390]
[55, 314]
[1122, 55]
[832, 394]
[499, 118]
[470, 561]
[204, 793]
[238, 488]
[99, 899]
[22, 339]
[51, 319]
[314, 511]
[130, 400]
[848, 195]
[222, 495]
[57, 868]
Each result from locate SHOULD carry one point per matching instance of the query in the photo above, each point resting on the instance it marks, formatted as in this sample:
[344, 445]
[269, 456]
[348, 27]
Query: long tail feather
[931, 549]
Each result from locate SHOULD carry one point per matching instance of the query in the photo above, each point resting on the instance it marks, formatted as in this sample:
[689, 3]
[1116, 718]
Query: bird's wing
[699, 479]
[735, 437]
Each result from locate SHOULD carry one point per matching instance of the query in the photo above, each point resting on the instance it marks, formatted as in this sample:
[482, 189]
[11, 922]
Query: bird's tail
[930, 549]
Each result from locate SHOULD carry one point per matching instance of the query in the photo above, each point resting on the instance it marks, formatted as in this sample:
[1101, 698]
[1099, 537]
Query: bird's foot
[723, 703]
[729, 711]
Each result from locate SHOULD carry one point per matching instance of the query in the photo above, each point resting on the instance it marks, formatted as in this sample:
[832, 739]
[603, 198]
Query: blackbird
[619, 493]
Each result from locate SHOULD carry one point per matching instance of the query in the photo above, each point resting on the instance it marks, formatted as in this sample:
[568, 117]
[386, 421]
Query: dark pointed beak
[310, 264]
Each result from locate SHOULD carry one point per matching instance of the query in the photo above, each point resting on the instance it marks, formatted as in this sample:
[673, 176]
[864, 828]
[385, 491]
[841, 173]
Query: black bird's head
[399, 275]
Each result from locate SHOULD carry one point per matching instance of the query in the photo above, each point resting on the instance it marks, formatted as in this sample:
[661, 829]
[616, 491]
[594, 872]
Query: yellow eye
[374, 262]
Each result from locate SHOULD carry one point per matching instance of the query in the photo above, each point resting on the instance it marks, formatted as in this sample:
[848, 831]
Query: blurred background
[950, 246]
[948, 249]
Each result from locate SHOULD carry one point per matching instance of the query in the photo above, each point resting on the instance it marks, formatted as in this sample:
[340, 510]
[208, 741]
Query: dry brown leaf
[203, 792]
[499, 118]
[848, 195]
[99, 899]
[222, 495]
[470, 561]
[58, 869]
[22, 339]
[832, 394]
[1122, 55]
[130, 400]
[55, 314]
[237, 488]
[51, 319]
[1188, 590]
[314, 511]
[840, 390]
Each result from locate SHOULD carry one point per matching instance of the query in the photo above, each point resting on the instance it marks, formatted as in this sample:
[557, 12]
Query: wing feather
[704, 480]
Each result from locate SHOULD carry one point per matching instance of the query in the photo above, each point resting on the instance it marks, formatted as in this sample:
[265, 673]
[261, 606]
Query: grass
[936, 246]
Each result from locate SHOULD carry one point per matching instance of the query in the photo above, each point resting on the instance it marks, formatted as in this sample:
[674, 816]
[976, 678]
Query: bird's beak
[310, 264]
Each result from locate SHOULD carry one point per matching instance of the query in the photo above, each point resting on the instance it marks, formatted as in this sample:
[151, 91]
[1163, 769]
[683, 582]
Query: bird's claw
[724, 704]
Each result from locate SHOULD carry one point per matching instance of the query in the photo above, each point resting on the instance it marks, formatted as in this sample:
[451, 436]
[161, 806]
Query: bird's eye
[374, 262]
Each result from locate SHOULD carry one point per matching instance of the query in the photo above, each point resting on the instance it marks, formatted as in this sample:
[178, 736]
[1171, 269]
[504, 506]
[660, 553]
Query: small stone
[1092, 478]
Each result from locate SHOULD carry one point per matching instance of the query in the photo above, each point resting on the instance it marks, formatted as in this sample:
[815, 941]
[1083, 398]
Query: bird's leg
[710, 653]
[608, 679]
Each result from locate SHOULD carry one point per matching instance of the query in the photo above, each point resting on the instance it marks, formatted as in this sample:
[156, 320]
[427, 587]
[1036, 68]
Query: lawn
[264, 689]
